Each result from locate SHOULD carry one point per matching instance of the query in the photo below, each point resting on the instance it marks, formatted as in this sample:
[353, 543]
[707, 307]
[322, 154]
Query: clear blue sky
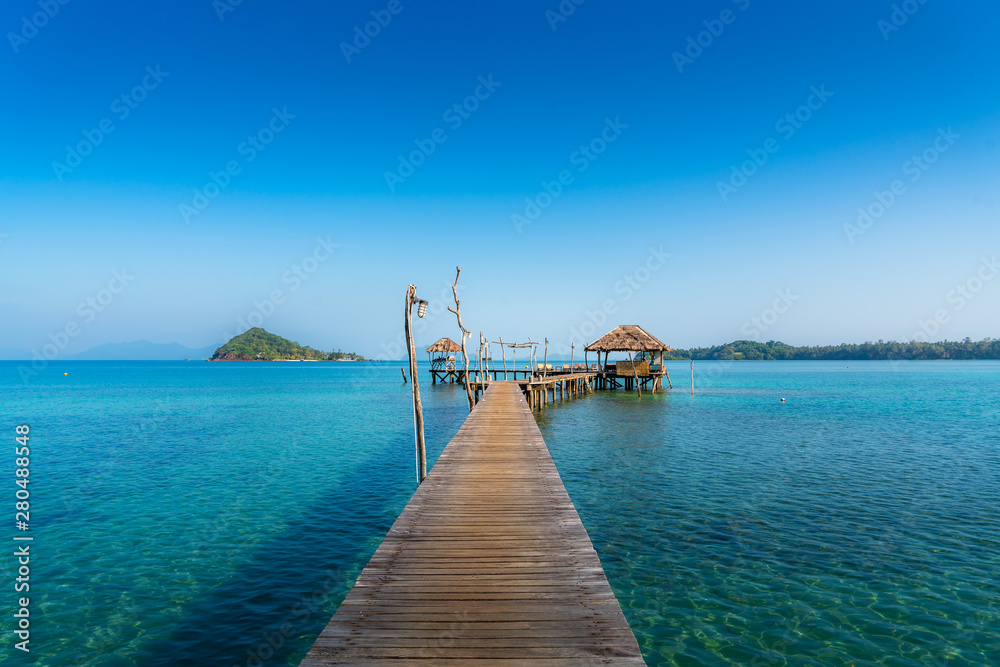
[663, 121]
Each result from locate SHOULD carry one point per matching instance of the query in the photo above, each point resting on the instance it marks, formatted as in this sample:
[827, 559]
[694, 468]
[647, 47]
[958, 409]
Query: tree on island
[256, 344]
[988, 348]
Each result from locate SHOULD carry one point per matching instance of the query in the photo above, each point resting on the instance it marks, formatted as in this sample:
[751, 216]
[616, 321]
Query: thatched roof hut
[444, 345]
[439, 354]
[627, 338]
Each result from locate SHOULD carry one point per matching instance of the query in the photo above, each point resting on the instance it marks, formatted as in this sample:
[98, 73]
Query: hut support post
[418, 409]
[650, 379]
[545, 363]
[662, 369]
[635, 374]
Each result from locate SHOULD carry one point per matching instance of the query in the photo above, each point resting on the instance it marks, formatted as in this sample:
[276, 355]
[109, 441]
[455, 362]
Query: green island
[258, 345]
[988, 348]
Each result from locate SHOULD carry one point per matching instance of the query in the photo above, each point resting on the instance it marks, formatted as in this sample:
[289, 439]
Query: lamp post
[418, 410]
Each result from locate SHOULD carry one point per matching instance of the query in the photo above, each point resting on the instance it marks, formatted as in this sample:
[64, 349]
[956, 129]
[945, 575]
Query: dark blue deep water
[192, 513]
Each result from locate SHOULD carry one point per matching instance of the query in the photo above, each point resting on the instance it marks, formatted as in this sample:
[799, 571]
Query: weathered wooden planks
[488, 564]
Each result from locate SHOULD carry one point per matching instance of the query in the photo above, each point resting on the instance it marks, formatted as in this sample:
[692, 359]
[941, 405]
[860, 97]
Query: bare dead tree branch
[465, 335]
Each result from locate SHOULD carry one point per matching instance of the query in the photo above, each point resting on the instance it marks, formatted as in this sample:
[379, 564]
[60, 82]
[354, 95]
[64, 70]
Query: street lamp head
[421, 307]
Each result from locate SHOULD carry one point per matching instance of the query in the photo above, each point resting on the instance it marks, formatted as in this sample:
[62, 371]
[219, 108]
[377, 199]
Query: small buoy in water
[782, 400]
[65, 373]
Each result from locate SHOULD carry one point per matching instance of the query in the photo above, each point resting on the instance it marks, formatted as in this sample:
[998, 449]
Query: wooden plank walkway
[488, 564]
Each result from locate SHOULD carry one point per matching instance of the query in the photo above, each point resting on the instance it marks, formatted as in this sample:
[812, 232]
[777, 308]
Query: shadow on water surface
[273, 607]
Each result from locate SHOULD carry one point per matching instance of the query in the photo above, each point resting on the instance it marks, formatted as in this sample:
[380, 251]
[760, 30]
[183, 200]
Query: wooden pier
[537, 390]
[457, 375]
[541, 389]
[488, 564]
[599, 376]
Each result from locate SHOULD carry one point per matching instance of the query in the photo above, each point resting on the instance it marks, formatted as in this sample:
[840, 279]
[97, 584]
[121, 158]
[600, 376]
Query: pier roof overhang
[445, 345]
[627, 338]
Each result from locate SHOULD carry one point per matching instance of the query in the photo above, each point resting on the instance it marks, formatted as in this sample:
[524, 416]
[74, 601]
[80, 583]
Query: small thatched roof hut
[627, 338]
[639, 371]
[438, 354]
[444, 345]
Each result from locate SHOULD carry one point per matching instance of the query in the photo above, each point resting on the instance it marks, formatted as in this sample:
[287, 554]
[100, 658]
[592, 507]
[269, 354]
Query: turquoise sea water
[216, 514]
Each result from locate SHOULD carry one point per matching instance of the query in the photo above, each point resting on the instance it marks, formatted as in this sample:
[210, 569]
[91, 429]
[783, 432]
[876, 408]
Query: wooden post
[671, 384]
[662, 369]
[650, 380]
[545, 363]
[504, 356]
[482, 380]
[635, 374]
[692, 377]
[404, 374]
[418, 408]
[571, 346]
[489, 359]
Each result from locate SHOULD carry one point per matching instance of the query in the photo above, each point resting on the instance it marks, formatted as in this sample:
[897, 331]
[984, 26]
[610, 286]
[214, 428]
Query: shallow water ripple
[216, 514]
[853, 525]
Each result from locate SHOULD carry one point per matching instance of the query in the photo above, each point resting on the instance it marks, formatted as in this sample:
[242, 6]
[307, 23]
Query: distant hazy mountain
[143, 350]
